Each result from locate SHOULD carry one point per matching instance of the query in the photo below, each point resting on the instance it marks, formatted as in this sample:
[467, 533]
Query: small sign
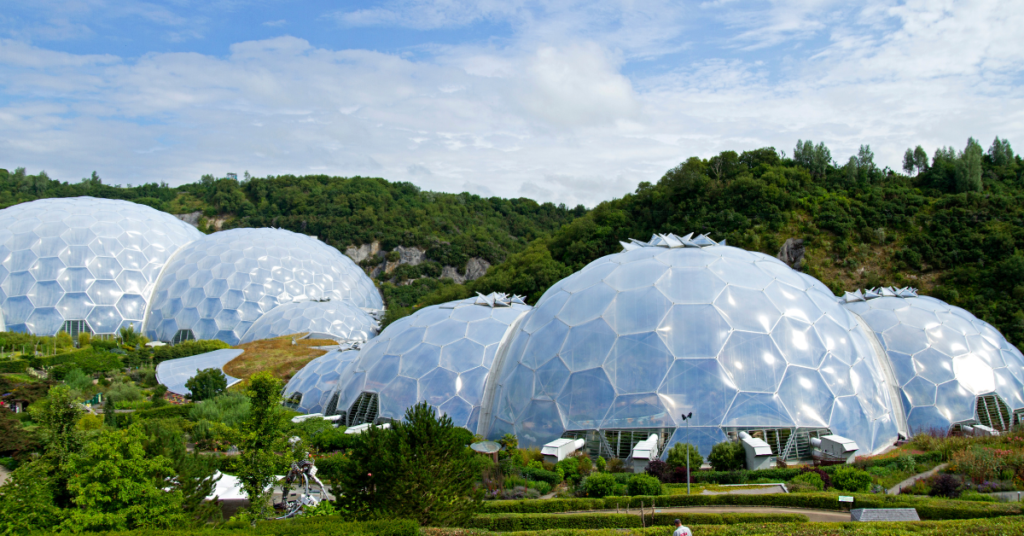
[845, 498]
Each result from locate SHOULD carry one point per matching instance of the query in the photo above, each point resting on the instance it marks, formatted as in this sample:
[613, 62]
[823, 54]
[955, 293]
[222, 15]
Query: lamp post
[686, 419]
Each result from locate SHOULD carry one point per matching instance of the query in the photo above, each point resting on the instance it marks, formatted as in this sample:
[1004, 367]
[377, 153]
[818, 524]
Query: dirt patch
[282, 358]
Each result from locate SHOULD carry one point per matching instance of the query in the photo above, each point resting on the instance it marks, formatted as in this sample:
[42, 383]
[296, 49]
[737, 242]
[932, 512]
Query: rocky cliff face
[373, 259]
[475, 269]
[792, 253]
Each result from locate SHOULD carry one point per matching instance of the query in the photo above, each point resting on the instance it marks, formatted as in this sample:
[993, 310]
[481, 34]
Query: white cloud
[557, 112]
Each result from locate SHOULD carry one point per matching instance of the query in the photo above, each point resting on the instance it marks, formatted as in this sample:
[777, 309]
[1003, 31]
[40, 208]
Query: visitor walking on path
[681, 530]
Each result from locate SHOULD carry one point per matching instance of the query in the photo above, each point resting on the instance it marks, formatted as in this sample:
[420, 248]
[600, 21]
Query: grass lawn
[278, 356]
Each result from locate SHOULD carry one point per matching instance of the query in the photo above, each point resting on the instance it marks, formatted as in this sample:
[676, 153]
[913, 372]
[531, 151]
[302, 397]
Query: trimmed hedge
[13, 366]
[322, 526]
[927, 507]
[541, 507]
[975, 527]
[520, 522]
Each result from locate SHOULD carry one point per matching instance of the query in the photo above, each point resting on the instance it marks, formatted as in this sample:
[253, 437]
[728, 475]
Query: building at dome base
[217, 286]
[83, 264]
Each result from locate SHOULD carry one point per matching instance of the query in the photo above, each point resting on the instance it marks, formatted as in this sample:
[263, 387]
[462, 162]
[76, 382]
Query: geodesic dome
[217, 286]
[681, 325]
[338, 320]
[82, 263]
[441, 354]
[310, 390]
[950, 366]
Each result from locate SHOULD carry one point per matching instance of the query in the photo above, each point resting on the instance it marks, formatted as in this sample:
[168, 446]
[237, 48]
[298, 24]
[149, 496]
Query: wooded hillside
[949, 224]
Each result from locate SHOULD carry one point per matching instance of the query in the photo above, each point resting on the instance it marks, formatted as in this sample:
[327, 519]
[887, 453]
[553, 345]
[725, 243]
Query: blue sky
[568, 101]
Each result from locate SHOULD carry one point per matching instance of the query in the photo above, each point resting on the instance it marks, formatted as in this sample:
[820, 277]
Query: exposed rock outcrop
[475, 269]
[192, 218]
[792, 253]
[361, 253]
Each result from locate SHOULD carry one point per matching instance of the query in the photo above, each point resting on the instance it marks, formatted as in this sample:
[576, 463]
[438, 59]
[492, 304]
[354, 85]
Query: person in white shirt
[681, 530]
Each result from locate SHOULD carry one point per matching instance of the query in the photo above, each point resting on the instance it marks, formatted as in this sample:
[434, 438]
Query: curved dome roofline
[219, 285]
[83, 264]
[682, 324]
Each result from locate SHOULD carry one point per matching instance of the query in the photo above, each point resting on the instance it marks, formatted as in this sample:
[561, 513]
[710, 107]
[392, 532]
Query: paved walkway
[895, 490]
[4, 473]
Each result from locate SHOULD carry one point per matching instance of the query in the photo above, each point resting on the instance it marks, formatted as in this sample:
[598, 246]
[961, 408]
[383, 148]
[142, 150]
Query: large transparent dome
[441, 354]
[944, 359]
[309, 391]
[82, 263]
[338, 320]
[216, 287]
[682, 325]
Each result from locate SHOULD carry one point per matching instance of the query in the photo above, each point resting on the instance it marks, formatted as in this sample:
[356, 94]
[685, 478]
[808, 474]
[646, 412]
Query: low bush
[851, 479]
[600, 485]
[542, 487]
[811, 479]
[13, 366]
[540, 475]
[644, 485]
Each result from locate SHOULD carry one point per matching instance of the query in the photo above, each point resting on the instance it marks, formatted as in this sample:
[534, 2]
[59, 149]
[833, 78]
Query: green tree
[968, 168]
[678, 453]
[727, 456]
[419, 469]
[909, 165]
[920, 159]
[206, 384]
[27, 501]
[117, 487]
[57, 415]
[261, 437]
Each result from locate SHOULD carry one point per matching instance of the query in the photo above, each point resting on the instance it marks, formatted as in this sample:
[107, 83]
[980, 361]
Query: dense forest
[949, 223]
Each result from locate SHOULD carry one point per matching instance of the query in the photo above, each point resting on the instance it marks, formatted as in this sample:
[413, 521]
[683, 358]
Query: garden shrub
[677, 457]
[851, 479]
[727, 456]
[542, 487]
[644, 485]
[551, 477]
[943, 485]
[600, 485]
[811, 479]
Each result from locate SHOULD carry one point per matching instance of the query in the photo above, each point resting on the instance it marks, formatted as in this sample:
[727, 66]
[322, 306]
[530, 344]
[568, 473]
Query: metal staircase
[364, 409]
[993, 412]
[799, 445]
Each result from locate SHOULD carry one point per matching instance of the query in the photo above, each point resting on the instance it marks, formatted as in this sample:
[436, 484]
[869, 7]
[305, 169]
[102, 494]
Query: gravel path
[895, 490]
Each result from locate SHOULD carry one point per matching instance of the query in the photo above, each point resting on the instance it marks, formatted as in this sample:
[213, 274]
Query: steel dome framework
[676, 325]
[83, 264]
[219, 285]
